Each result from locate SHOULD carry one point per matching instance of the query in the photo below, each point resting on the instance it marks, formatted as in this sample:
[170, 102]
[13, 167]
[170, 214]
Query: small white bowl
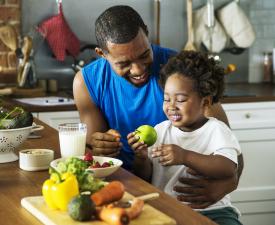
[35, 159]
[97, 172]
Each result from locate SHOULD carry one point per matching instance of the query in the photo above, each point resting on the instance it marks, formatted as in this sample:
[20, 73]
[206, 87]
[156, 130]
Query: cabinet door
[254, 126]
[255, 196]
[53, 119]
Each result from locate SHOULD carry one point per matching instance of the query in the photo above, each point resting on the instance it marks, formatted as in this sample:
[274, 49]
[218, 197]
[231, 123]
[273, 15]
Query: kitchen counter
[234, 93]
[9, 102]
[245, 92]
[16, 184]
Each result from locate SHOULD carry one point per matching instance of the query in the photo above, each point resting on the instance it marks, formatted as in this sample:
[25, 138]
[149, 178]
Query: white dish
[98, 172]
[35, 159]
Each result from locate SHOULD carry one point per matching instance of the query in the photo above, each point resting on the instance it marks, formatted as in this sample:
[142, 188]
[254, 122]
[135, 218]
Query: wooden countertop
[16, 184]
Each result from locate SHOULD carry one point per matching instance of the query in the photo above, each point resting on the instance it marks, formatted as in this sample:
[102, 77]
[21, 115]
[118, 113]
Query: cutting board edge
[26, 203]
[34, 211]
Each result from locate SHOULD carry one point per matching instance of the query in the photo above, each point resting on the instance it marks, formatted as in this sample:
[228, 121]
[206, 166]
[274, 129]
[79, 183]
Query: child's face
[182, 105]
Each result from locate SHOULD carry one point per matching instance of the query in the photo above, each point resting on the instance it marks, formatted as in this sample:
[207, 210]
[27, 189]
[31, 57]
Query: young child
[188, 139]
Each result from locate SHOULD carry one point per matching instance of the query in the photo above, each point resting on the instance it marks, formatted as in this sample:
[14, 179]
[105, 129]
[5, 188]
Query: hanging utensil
[24, 64]
[8, 36]
[210, 22]
[157, 19]
[190, 41]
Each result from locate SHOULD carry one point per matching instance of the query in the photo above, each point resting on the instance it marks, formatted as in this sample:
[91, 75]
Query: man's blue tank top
[125, 106]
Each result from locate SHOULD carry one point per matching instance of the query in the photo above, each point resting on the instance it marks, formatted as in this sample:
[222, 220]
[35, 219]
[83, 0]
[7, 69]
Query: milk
[72, 143]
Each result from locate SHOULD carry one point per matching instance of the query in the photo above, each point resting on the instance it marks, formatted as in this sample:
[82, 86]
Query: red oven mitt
[59, 36]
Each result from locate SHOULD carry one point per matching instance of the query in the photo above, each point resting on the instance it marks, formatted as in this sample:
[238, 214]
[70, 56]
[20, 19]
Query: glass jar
[268, 68]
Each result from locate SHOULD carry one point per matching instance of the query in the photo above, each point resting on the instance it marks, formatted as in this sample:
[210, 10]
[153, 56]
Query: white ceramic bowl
[10, 139]
[35, 159]
[98, 172]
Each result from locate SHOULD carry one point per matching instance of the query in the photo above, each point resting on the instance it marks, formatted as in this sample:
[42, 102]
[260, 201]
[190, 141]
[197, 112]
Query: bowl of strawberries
[101, 166]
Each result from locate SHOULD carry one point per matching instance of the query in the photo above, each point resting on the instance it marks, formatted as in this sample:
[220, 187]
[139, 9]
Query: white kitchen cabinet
[254, 126]
[53, 119]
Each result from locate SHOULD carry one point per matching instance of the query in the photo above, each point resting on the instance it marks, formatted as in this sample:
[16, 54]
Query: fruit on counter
[13, 118]
[230, 68]
[89, 157]
[113, 215]
[81, 208]
[147, 134]
[113, 191]
[95, 164]
[59, 190]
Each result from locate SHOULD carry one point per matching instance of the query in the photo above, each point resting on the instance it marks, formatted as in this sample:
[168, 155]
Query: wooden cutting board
[36, 206]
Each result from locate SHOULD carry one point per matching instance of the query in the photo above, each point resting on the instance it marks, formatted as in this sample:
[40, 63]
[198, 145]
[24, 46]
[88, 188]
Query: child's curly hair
[207, 75]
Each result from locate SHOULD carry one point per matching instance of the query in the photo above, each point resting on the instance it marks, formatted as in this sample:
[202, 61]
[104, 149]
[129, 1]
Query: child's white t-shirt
[214, 137]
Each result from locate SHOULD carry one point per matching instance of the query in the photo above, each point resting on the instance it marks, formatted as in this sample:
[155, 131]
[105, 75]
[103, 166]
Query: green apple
[147, 134]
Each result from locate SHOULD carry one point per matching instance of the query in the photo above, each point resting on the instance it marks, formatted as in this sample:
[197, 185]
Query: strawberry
[96, 165]
[89, 157]
[106, 164]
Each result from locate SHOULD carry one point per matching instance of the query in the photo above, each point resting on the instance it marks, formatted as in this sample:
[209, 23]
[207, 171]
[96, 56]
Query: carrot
[110, 193]
[136, 208]
[113, 215]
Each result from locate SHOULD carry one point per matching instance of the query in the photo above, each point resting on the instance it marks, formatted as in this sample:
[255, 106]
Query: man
[119, 92]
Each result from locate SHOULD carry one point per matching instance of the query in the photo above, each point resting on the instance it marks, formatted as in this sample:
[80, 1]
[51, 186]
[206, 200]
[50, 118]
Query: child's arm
[215, 166]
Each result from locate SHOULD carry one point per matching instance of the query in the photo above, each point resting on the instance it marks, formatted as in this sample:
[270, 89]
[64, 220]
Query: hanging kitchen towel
[237, 25]
[202, 34]
[59, 36]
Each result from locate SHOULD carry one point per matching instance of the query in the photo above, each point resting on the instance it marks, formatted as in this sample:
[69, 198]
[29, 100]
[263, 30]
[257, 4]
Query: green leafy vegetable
[15, 118]
[86, 180]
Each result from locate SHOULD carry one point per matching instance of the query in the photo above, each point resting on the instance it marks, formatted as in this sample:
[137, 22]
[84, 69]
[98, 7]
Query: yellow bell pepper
[59, 190]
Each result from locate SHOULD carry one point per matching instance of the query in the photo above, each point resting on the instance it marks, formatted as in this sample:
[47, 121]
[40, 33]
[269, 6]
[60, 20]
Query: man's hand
[203, 192]
[106, 144]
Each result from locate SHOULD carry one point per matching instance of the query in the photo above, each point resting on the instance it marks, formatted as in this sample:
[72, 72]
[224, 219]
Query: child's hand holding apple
[142, 138]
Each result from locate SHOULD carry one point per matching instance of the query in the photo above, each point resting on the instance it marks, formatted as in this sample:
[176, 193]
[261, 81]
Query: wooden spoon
[190, 41]
[8, 36]
[157, 19]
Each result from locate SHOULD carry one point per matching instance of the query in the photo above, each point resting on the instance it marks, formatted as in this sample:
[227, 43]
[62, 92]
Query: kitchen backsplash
[262, 15]
[173, 31]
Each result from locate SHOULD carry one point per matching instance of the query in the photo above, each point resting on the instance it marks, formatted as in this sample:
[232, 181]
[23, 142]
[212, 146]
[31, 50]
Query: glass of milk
[72, 139]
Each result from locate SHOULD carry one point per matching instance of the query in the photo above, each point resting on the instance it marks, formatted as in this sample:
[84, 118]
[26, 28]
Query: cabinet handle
[247, 115]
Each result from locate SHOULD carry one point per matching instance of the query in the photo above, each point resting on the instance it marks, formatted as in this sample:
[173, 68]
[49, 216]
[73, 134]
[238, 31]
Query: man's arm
[218, 112]
[88, 111]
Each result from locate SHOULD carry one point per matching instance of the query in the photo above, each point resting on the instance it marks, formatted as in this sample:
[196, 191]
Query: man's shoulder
[98, 68]
[163, 50]
[162, 54]
[100, 62]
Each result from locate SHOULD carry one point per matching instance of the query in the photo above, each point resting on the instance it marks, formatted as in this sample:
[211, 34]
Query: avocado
[81, 208]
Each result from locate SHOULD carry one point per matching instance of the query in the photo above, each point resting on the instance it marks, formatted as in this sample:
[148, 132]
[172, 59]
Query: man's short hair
[118, 24]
